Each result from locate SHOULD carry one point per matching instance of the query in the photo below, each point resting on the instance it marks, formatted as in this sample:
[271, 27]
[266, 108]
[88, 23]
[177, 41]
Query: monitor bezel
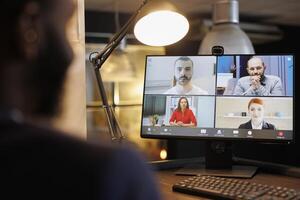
[206, 138]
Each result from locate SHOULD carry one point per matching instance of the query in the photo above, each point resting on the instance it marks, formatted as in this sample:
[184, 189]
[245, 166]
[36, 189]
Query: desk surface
[167, 178]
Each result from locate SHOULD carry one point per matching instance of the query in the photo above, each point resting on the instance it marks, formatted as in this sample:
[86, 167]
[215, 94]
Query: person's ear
[29, 27]
[248, 71]
[174, 81]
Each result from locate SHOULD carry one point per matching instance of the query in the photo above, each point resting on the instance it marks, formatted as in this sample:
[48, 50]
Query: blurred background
[272, 27]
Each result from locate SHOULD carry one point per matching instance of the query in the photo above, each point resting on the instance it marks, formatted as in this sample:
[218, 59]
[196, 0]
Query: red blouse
[186, 117]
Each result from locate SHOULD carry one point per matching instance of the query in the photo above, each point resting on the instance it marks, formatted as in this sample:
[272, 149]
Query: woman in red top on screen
[183, 116]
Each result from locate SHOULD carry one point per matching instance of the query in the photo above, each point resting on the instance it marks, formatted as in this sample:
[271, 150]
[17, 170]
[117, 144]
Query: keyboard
[228, 188]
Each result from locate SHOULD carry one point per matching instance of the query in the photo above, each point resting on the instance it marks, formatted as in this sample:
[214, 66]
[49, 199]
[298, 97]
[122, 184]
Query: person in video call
[37, 161]
[257, 83]
[256, 112]
[183, 116]
[183, 73]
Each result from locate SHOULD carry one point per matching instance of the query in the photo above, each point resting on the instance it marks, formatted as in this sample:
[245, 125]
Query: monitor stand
[218, 162]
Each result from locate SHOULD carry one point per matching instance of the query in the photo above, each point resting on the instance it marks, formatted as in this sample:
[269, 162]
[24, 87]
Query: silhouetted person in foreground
[37, 161]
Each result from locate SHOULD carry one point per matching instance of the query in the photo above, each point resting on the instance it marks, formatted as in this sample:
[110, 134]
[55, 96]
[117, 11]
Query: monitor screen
[234, 97]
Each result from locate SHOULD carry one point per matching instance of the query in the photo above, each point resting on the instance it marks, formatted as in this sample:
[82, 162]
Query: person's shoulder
[244, 79]
[176, 111]
[45, 139]
[58, 142]
[131, 176]
[171, 91]
[190, 111]
[242, 126]
[246, 125]
[197, 90]
[272, 77]
[104, 170]
[267, 125]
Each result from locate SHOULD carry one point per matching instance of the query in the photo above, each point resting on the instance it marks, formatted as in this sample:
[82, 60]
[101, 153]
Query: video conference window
[180, 111]
[180, 75]
[255, 75]
[254, 113]
[233, 96]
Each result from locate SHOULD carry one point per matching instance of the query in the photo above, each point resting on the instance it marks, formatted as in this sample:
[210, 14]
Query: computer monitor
[215, 98]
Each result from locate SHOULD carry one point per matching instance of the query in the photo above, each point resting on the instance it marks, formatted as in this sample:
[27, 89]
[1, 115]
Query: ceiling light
[226, 31]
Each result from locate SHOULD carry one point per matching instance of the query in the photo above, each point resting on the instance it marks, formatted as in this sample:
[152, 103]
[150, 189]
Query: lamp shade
[230, 37]
[226, 31]
[159, 24]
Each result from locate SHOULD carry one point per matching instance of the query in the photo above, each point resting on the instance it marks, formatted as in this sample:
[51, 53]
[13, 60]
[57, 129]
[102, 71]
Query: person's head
[255, 66]
[34, 54]
[183, 70]
[256, 109]
[183, 104]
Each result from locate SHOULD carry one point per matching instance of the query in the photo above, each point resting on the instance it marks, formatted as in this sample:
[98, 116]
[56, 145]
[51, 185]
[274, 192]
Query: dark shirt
[41, 163]
[265, 125]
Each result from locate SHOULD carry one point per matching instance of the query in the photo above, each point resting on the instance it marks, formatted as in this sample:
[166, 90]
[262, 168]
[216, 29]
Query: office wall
[73, 116]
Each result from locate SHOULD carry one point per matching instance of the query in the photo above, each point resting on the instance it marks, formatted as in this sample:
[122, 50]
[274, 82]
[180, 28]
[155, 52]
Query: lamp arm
[98, 59]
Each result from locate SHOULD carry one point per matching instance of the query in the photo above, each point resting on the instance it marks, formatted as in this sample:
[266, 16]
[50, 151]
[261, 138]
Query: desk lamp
[159, 24]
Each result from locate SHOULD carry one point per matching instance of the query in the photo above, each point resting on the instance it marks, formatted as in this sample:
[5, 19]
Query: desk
[167, 178]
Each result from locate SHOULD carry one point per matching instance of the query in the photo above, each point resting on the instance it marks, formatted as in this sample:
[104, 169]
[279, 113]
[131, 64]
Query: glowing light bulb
[163, 154]
[161, 28]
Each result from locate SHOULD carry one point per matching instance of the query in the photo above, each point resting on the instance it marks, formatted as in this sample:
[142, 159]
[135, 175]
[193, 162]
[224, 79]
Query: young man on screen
[183, 73]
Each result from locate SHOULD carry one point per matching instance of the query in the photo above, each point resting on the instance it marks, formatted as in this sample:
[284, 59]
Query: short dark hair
[255, 57]
[184, 58]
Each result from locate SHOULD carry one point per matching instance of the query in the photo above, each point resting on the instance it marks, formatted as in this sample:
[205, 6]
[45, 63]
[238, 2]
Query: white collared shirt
[259, 126]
